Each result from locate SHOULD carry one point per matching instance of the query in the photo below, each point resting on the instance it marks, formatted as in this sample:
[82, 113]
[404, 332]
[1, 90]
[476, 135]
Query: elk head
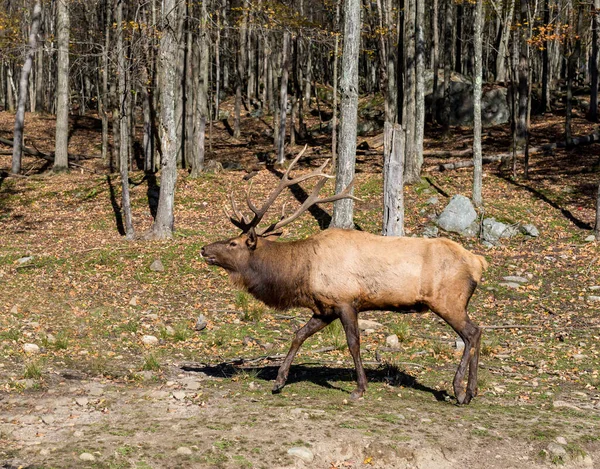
[232, 254]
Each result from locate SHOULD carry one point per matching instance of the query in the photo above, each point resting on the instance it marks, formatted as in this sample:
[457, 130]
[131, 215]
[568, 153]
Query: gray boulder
[494, 230]
[494, 102]
[458, 216]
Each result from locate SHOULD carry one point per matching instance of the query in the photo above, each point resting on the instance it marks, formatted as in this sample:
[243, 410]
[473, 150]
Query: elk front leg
[349, 317]
[314, 324]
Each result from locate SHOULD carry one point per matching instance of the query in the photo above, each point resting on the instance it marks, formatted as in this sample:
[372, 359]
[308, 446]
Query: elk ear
[251, 239]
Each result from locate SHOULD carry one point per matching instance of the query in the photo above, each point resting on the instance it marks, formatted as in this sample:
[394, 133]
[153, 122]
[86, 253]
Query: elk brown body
[339, 273]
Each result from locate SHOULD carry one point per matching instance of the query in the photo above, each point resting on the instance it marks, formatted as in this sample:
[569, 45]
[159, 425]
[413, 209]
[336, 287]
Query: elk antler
[240, 220]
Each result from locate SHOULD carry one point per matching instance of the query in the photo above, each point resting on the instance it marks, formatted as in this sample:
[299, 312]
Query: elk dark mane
[276, 277]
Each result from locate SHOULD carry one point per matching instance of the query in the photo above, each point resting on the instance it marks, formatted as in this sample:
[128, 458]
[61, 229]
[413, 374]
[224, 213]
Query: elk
[338, 273]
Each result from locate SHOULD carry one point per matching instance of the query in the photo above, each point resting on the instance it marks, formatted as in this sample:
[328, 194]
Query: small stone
[48, 419]
[201, 323]
[565, 405]
[82, 401]
[87, 457]
[530, 230]
[191, 384]
[513, 285]
[31, 349]
[430, 231]
[579, 356]
[147, 375]
[561, 440]
[157, 266]
[44, 452]
[179, 395]
[184, 450]
[364, 324]
[133, 301]
[150, 340]
[392, 341]
[593, 298]
[95, 390]
[24, 260]
[556, 450]
[302, 453]
[514, 278]
[459, 344]
[169, 330]
[14, 309]
[590, 239]
[50, 339]
[594, 288]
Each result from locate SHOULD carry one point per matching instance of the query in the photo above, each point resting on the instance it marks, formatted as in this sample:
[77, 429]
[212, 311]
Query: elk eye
[232, 244]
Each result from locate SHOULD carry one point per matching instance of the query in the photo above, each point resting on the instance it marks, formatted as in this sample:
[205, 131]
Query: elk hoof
[461, 397]
[277, 387]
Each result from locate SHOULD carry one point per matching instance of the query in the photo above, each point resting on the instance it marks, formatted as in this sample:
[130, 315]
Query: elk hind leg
[314, 325]
[471, 336]
[349, 318]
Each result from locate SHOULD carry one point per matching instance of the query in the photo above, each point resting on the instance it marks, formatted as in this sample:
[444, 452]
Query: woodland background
[162, 110]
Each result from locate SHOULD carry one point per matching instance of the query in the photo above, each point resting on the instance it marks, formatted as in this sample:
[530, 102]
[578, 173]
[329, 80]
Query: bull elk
[339, 273]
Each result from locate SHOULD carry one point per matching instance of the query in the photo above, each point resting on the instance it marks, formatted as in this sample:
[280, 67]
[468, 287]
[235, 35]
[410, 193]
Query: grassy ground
[87, 298]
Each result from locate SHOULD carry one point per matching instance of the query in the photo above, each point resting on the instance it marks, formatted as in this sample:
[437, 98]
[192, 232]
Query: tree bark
[334, 119]
[25, 72]
[448, 30]
[419, 89]
[523, 70]
[164, 222]
[411, 167]
[393, 186]
[477, 164]
[283, 97]
[597, 230]
[593, 113]
[61, 159]
[123, 93]
[343, 209]
[545, 104]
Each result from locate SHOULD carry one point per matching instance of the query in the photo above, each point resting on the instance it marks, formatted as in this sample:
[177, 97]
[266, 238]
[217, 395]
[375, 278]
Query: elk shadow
[318, 374]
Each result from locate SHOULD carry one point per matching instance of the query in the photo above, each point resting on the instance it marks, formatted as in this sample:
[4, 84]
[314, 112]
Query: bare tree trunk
[412, 168]
[448, 30]
[504, 42]
[597, 230]
[571, 72]
[334, 119]
[545, 104]
[419, 89]
[343, 209]
[593, 113]
[202, 111]
[522, 127]
[105, 96]
[477, 166]
[25, 72]
[61, 156]
[393, 186]
[435, 56]
[164, 222]
[283, 97]
[10, 88]
[123, 124]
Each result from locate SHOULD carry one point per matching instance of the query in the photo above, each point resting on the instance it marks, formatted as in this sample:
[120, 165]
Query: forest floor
[95, 395]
